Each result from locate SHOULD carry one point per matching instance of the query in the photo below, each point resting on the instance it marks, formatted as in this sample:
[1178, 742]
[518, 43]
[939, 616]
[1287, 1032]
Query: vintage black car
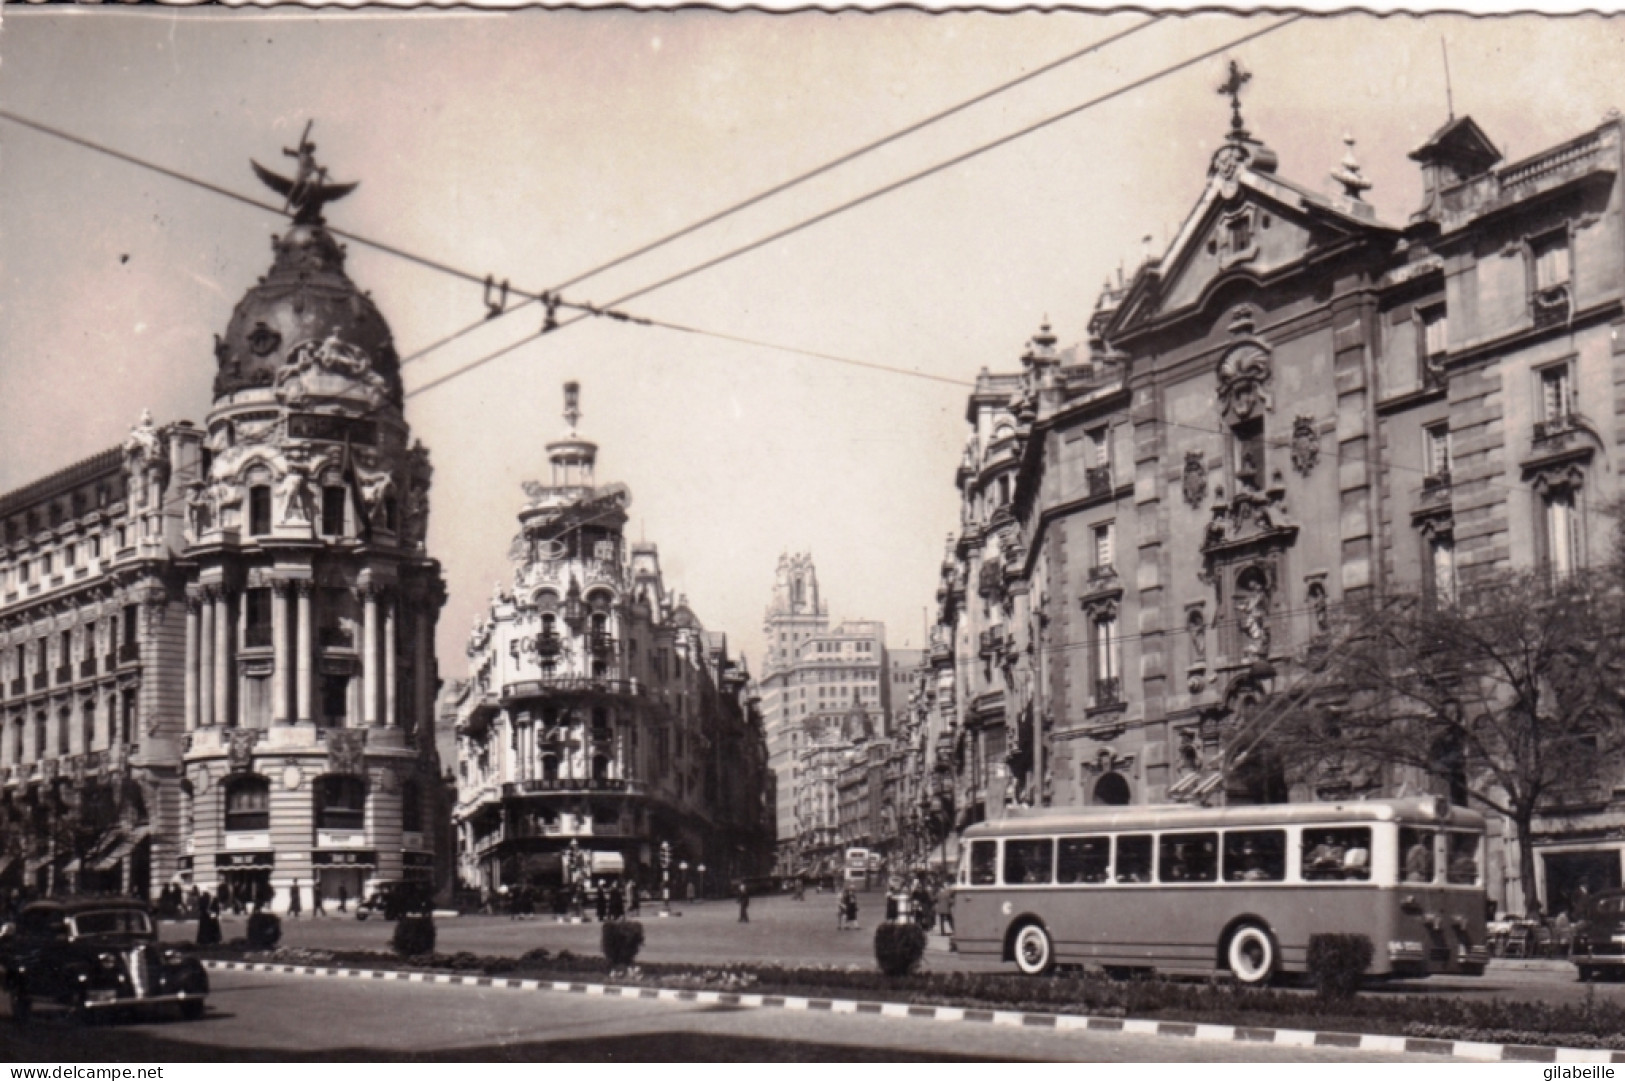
[396, 897]
[1599, 936]
[92, 956]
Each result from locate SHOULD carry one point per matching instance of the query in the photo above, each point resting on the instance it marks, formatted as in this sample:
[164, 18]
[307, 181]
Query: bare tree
[1511, 696]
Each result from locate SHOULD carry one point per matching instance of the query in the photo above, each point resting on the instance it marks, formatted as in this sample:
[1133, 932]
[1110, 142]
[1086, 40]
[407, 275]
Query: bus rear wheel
[1252, 955]
[1033, 950]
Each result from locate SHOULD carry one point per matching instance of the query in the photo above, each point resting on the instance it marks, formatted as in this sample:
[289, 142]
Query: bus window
[1188, 857]
[1028, 862]
[1462, 870]
[1255, 855]
[1331, 855]
[1416, 855]
[1134, 858]
[1084, 859]
[984, 863]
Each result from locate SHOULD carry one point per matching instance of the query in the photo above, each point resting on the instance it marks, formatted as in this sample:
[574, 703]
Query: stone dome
[306, 298]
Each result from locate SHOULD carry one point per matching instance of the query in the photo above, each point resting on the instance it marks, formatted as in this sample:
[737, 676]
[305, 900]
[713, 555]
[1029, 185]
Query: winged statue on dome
[308, 190]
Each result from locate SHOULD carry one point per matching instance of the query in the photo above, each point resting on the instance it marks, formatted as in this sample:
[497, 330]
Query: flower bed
[1592, 1023]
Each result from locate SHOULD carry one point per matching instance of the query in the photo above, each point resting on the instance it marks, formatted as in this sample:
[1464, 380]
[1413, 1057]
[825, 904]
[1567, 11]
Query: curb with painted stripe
[1190, 1030]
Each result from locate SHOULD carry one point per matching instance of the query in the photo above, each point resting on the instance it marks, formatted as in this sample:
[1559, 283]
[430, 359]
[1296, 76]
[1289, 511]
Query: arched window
[411, 807]
[341, 803]
[1112, 790]
[248, 803]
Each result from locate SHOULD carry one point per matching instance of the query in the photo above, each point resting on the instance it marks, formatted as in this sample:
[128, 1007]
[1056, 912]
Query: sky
[537, 145]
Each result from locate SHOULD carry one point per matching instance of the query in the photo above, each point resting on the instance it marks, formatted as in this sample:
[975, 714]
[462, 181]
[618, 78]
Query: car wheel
[1034, 952]
[79, 1011]
[360, 915]
[1252, 955]
[192, 1009]
[21, 1007]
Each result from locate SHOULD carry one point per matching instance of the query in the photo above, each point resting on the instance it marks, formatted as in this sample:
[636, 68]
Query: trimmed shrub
[414, 936]
[1337, 962]
[621, 940]
[899, 947]
[264, 931]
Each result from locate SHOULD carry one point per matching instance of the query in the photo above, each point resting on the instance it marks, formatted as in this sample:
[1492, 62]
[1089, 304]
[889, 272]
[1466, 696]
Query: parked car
[393, 898]
[95, 955]
[1599, 936]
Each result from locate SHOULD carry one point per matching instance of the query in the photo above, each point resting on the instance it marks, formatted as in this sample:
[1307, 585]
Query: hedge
[414, 936]
[621, 940]
[899, 947]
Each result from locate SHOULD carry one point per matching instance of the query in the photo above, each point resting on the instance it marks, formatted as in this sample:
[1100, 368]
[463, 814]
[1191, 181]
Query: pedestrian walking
[744, 903]
[617, 903]
[634, 899]
[293, 900]
[316, 908]
[344, 896]
[208, 921]
[601, 901]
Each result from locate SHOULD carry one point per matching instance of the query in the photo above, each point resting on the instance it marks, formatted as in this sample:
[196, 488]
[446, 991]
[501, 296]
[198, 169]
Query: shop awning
[110, 858]
[245, 861]
[608, 863]
[541, 863]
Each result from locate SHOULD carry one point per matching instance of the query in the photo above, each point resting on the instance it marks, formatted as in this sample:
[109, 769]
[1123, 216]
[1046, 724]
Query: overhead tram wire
[871, 196]
[530, 297]
[853, 155]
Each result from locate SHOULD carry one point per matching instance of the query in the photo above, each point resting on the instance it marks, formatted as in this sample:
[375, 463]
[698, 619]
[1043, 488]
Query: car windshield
[116, 921]
[1612, 907]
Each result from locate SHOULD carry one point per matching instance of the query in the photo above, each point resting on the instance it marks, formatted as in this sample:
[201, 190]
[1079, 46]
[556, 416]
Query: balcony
[1098, 480]
[607, 683]
[1436, 482]
[64, 673]
[1555, 428]
[549, 645]
[1550, 306]
[601, 644]
[257, 636]
[542, 785]
[40, 680]
[19, 685]
[992, 642]
[129, 653]
[87, 668]
[110, 662]
[1108, 692]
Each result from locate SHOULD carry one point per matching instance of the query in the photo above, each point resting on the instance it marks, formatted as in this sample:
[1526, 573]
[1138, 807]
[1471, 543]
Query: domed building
[309, 676]
[218, 643]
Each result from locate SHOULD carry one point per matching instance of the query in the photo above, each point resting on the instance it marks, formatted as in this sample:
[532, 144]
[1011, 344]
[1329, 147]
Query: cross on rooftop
[1231, 87]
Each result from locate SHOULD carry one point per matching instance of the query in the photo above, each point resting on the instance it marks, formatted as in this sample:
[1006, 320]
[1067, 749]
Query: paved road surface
[783, 930]
[277, 1017]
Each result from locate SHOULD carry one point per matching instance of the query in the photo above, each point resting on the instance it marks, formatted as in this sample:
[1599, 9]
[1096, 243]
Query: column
[189, 697]
[280, 668]
[303, 653]
[205, 664]
[390, 603]
[369, 656]
[423, 670]
[222, 658]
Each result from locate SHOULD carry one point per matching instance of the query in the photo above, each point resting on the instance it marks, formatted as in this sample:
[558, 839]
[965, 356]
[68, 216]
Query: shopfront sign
[244, 859]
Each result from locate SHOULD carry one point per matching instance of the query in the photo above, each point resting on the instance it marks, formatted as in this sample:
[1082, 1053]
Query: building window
[1239, 233]
[64, 726]
[45, 564]
[1434, 323]
[1550, 255]
[1561, 531]
[126, 715]
[96, 547]
[17, 743]
[1436, 455]
[333, 502]
[39, 736]
[1556, 393]
[89, 725]
[411, 807]
[1105, 660]
[248, 804]
[1439, 571]
[257, 629]
[341, 803]
[1104, 543]
[335, 699]
[259, 510]
[129, 625]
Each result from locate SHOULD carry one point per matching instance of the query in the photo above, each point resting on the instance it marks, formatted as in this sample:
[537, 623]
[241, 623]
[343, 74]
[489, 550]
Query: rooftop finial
[308, 191]
[572, 404]
[1348, 172]
[1231, 88]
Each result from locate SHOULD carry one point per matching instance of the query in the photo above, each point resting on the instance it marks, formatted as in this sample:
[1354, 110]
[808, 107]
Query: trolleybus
[1191, 890]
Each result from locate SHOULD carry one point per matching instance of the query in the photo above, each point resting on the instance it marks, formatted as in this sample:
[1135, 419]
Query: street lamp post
[665, 877]
[683, 882]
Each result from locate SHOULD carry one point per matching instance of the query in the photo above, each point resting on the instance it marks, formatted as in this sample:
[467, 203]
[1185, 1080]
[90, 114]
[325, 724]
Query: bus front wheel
[1033, 950]
[1252, 955]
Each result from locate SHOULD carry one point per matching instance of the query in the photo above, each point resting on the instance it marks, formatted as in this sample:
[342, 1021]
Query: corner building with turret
[603, 732]
[221, 639]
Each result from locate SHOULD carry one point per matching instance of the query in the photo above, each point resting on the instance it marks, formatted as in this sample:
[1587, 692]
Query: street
[276, 1017]
[784, 931]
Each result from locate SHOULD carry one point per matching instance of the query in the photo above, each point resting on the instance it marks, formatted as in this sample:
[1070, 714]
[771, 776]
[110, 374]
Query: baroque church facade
[1298, 406]
[223, 637]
